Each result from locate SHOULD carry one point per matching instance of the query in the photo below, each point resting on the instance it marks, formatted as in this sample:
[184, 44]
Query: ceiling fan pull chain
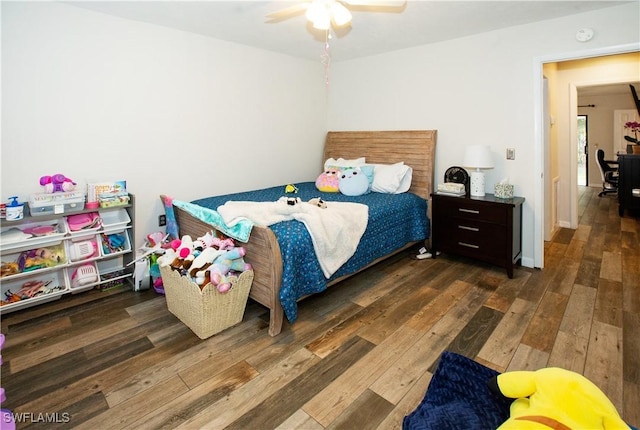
[326, 57]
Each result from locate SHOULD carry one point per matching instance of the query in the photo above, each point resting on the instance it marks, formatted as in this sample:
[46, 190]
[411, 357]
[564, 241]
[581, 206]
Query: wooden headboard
[417, 148]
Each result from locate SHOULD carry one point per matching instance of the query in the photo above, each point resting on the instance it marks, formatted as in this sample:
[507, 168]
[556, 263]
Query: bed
[267, 249]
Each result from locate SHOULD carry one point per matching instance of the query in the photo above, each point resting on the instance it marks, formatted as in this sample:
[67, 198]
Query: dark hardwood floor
[360, 356]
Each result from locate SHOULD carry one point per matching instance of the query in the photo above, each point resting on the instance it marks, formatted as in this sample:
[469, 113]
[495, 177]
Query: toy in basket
[199, 286]
[206, 311]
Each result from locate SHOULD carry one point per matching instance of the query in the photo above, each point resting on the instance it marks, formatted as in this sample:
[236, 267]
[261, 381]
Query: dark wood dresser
[628, 180]
[485, 228]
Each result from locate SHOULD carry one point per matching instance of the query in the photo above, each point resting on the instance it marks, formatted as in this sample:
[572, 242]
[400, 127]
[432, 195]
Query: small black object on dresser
[457, 175]
[485, 228]
[628, 183]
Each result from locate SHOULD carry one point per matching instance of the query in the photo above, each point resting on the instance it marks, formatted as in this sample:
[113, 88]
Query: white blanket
[335, 230]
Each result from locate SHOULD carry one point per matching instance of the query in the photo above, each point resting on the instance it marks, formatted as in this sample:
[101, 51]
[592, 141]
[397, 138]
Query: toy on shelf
[112, 243]
[31, 289]
[108, 194]
[34, 259]
[14, 210]
[82, 250]
[41, 258]
[57, 183]
[84, 275]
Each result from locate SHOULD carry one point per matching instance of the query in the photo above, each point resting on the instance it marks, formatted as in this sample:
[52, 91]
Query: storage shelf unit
[86, 259]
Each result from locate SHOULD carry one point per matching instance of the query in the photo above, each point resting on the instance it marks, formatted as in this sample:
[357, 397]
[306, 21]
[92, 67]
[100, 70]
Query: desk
[628, 180]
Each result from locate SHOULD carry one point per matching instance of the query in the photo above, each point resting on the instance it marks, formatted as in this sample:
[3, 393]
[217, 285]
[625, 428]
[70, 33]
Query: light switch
[511, 153]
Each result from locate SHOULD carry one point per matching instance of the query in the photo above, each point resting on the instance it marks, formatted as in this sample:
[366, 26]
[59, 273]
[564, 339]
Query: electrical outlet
[511, 153]
[162, 220]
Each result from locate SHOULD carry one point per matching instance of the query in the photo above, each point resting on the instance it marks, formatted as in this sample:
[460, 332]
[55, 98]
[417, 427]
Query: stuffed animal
[329, 180]
[208, 240]
[353, 182]
[211, 264]
[290, 201]
[317, 201]
[223, 244]
[172, 259]
[183, 247]
[290, 188]
[57, 183]
[167, 258]
[204, 260]
[555, 398]
[40, 258]
[231, 260]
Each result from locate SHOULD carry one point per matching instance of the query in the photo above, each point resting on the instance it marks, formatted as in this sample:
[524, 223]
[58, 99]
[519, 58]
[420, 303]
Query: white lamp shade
[478, 157]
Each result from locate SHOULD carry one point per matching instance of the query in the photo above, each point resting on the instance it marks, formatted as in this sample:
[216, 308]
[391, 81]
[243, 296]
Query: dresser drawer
[484, 228]
[472, 210]
[471, 238]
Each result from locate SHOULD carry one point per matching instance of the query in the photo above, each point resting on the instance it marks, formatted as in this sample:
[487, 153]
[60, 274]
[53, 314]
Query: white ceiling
[417, 23]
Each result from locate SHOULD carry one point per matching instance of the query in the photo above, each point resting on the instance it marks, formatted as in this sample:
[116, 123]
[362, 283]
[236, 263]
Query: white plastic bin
[114, 220]
[109, 243]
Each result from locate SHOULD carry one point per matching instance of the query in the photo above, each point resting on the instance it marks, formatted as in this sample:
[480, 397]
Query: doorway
[620, 117]
[542, 193]
[583, 151]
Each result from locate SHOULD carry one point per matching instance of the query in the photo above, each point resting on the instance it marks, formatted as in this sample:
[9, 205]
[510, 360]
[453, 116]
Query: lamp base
[477, 184]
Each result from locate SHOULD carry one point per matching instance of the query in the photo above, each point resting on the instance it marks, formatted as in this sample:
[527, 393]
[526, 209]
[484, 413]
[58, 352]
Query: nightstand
[485, 228]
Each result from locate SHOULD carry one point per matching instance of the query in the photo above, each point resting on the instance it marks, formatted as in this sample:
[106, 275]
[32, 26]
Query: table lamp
[477, 157]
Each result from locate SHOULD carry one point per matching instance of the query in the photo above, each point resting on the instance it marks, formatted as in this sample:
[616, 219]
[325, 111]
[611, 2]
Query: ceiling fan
[324, 14]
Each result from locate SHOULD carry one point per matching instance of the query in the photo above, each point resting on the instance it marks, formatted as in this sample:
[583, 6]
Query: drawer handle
[469, 211]
[468, 245]
[464, 227]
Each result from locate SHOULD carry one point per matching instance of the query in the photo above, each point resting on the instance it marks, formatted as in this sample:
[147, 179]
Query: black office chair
[609, 173]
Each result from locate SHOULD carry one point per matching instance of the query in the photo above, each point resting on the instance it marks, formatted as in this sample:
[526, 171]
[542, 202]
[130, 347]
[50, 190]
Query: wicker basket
[206, 312]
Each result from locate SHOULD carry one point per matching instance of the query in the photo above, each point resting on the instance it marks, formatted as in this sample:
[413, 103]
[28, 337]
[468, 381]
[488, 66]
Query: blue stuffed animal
[353, 182]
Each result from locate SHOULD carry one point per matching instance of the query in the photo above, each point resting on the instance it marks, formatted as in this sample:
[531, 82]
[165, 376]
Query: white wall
[600, 127]
[97, 97]
[477, 89]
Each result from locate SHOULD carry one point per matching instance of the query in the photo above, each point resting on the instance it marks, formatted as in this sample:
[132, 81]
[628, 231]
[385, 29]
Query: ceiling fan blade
[287, 12]
[376, 3]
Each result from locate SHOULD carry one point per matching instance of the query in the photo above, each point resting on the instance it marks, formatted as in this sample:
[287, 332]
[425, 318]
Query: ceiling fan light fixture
[340, 14]
[318, 13]
[322, 22]
[314, 10]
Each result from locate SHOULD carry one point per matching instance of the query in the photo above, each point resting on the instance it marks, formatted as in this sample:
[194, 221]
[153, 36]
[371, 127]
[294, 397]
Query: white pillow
[341, 162]
[391, 178]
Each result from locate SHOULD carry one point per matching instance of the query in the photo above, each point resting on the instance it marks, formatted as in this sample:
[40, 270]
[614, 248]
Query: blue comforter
[394, 220]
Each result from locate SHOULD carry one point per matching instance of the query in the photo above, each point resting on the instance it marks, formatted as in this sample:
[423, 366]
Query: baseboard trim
[527, 262]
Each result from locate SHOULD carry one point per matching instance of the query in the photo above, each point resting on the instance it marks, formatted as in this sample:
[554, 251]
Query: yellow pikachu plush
[554, 398]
